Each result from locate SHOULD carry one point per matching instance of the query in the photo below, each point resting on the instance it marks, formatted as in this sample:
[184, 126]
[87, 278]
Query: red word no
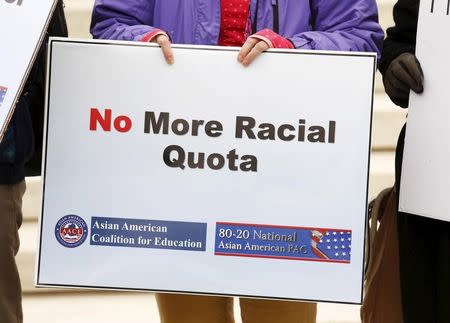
[121, 123]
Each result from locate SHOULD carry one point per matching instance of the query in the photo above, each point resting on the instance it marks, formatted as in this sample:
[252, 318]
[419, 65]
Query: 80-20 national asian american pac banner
[206, 177]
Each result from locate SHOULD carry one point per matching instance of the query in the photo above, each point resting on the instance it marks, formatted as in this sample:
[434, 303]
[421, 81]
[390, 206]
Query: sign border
[235, 49]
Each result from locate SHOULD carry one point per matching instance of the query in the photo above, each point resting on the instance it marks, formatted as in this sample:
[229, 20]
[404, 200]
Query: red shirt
[233, 22]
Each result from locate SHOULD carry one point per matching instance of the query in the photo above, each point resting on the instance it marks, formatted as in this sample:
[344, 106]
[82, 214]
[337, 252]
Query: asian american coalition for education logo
[71, 231]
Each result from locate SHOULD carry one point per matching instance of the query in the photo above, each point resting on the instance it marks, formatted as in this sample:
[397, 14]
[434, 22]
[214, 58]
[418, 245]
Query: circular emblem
[71, 231]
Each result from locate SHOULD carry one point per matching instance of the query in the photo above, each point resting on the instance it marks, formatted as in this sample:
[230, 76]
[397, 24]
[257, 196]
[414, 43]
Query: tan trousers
[10, 221]
[207, 309]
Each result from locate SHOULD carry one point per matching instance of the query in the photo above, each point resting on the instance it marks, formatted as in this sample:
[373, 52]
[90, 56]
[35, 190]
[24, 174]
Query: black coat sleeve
[35, 87]
[401, 38]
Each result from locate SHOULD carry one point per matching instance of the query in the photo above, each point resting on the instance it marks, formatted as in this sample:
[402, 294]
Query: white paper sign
[205, 176]
[22, 26]
[426, 175]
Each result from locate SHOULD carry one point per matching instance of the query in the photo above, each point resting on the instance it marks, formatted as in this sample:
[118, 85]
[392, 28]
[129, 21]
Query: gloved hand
[403, 74]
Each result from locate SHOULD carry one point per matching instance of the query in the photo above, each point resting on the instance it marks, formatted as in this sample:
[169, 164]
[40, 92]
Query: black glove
[403, 74]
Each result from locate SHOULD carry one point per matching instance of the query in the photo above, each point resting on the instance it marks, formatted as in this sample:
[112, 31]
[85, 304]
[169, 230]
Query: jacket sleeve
[344, 25]
[122, 20]
[401, 38]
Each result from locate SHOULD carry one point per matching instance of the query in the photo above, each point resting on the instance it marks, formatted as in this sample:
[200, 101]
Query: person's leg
[418, 263]
[418, 255]
[443, 273]
[10, 221]
[174, 308]
[267, 311]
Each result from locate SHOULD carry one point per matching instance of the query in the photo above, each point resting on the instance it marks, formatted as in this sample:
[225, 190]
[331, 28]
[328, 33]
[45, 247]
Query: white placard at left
[23, 25]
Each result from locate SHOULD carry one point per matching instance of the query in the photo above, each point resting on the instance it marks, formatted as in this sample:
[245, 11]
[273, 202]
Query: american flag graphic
[2, 94]
[332, 244]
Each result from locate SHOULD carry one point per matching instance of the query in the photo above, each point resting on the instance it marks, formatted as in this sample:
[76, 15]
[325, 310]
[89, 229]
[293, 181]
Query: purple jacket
[344, 25]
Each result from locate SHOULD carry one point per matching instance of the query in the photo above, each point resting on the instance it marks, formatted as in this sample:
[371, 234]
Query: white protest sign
[23, 25]
[205, 176]
[426, 174]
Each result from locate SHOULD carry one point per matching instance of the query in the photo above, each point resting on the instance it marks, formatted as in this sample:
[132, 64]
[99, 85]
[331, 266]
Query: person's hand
[403, 74]
[251, 49]
[164, 42]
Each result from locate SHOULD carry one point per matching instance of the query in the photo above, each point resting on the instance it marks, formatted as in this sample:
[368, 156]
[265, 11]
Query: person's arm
[342, 25]
[401, 38]
[400, 68]
[129, 20]
[123, 20]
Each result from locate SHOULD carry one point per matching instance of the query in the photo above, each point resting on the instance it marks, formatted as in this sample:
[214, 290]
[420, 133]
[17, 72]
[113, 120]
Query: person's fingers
[403, 74]
[400, 98]
[396, 86]
[164, 42]
[255, 52]
[400, 72]
[419, 66]
[397, 91]
[412, 66]
[247, 48]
